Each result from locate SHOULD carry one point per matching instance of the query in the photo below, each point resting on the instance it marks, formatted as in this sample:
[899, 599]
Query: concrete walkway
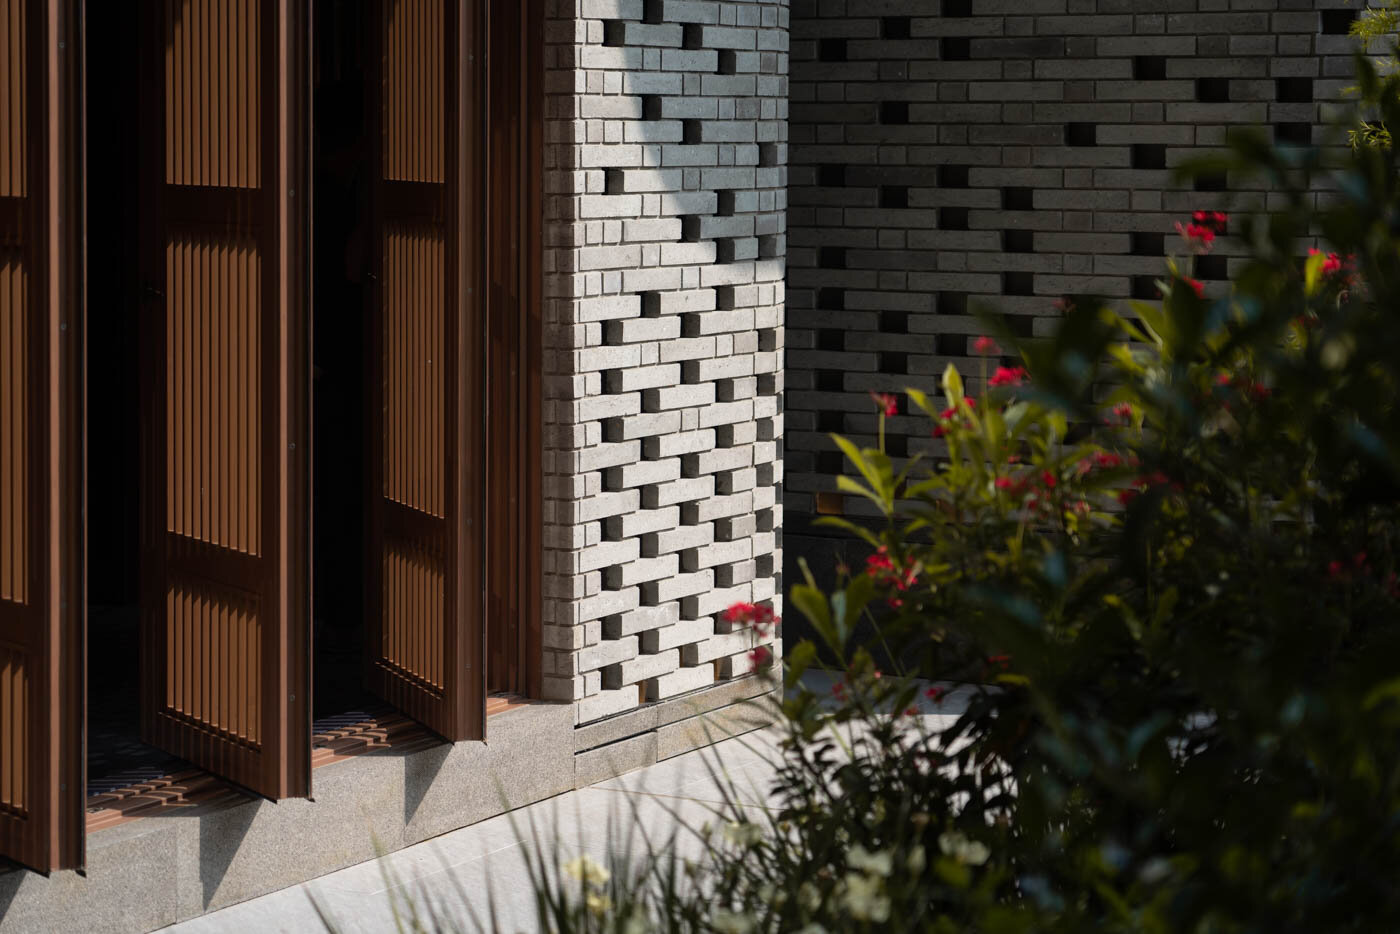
[485, 865]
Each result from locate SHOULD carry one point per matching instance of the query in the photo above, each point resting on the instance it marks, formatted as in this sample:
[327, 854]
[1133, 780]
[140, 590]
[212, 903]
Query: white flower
[587, 870]
[598, 905]
[864, 900]
[917, 860]
[743, 834]
[969, 852]
[728, 922]
[880, 864]
[809, 896]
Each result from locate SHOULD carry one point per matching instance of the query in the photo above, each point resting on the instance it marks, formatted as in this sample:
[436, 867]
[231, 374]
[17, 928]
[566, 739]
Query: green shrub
[1162, 549]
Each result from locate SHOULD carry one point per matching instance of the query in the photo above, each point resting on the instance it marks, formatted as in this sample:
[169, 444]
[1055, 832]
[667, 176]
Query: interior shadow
[115, 752]
[340, 262]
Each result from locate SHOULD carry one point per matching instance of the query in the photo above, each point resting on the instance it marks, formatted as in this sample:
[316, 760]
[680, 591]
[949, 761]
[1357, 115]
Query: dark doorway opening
[340, 264]
[115, 754]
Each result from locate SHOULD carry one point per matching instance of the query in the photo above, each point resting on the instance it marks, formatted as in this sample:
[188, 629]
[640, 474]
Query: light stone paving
[471, 870]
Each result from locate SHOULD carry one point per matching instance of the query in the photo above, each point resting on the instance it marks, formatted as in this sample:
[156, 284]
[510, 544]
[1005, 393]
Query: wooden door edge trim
[532, 289]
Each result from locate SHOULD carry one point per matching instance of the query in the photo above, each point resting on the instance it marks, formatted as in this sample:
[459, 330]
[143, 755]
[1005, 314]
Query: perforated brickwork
[665, 177]
[947, 153]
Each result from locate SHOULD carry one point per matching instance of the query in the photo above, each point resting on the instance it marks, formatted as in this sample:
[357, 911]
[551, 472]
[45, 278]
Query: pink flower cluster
[1034, 489]
[888, 404]
[1201, 232]
[945, 418]
[1144, 483]
[883, 569]
[1008, 376]
[764, 623]
[1339, 269]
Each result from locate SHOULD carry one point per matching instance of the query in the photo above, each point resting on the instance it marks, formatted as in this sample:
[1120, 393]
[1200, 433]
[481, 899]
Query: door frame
[50, 835]
[512, 595]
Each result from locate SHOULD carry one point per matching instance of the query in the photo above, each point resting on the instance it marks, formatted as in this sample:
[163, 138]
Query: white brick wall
[665, 189]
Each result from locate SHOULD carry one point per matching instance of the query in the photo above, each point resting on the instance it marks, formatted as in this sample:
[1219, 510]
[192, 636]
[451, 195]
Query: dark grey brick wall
[949, 154]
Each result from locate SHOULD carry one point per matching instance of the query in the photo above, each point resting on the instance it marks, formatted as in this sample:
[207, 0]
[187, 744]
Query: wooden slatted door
[423, 624]
[40, 636]
[223, 631]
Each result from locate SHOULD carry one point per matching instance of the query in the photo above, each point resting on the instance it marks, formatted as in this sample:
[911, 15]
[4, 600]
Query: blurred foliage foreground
[1160, 553]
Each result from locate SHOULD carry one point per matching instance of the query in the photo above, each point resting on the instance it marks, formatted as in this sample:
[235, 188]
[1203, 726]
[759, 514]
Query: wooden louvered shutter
[41, 747]
[423, 625]
[223, 632]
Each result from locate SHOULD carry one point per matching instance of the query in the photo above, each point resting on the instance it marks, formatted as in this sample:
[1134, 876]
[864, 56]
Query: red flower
[1334, 569]
[1002, 660]
[1005, 483]
[1197, 236]
[1107, 459]
[936, 694]
[1124, 411]
[939, 431]
[985, 345]
[888, 404]
[1049, 479]
[1212, 219]
[1335, 267]
[1127, 496]
[1260, 392]
[754, 614]
[760, 656]
[1064, 305]
[1196, 286]
[879, 561]
[838, 690]
[1008, 376]
[1223, 379]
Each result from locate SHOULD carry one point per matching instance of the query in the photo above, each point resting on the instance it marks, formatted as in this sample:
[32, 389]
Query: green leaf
[798, 661]
[849, 485]
[870, 471]
[922, 401]
[1156, 320]
[860, 531]
[812, 603]
[1390, 690]
[1312, 274]
[952, 385]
